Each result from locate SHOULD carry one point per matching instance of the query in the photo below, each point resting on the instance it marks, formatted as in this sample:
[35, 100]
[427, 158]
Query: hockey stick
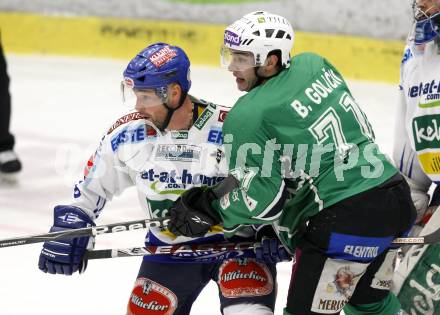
[222, 249]
[88, 231]
[224, 187]
[192, 251]
[432, 238]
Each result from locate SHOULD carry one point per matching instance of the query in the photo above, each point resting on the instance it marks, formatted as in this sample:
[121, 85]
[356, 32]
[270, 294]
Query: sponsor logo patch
[149, 297]
[429, 93]
[125, 119]
[128, 136]
[215, 135]
[222, 115]
[173, 182]
[383, 277]
[89, 165]
[151, 132]
[201, 121]
[361, 251]
[180, 134]
[162, 56]
[356, 248]
[244, 278]
[426, 132]
[219, 155]
[231, 38]
[430, 162]
[336, 285]
[407, 56]
[178, 152]
[70, 218]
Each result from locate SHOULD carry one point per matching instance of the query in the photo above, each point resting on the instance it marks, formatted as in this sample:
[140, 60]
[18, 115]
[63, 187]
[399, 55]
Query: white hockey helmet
[257, 33]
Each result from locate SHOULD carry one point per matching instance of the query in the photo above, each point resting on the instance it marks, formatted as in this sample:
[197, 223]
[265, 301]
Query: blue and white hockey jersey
[160, 164]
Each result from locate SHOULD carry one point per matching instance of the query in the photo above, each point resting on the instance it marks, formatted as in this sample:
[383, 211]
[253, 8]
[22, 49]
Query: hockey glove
[192, 214]
[271, 251]
[66, 256]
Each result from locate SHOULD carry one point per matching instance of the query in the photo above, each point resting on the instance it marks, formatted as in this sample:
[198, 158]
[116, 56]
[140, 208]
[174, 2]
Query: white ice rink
[61, 106]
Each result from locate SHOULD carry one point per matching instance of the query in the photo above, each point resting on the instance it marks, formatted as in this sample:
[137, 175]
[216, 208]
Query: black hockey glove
[192, 214]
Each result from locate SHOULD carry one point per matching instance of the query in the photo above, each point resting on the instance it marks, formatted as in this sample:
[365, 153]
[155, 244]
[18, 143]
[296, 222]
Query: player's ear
[174, 93]
[271, 65]
[271, 60]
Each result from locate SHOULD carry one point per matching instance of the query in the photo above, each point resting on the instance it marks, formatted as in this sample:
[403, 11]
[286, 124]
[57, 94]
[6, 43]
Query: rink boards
[23, 33]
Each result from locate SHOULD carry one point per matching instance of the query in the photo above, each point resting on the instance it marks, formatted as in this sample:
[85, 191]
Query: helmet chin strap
[170, 111]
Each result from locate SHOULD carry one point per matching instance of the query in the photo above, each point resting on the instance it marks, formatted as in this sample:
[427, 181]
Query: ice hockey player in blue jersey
[168, 144]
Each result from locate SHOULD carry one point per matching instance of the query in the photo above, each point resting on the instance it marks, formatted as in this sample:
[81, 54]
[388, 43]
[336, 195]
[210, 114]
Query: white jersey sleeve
[111, 168]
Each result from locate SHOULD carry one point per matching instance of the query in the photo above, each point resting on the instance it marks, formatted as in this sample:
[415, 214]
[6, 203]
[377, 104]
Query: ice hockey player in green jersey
[304, 157]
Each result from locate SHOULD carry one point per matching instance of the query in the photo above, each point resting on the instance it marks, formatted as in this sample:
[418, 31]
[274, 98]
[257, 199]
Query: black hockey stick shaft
[89, 231]
[433, 238]
[188, 250]
[224, 187]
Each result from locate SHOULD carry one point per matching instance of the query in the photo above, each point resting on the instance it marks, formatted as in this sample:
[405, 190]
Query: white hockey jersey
[417, 132]
[417, 154]
[160, 164]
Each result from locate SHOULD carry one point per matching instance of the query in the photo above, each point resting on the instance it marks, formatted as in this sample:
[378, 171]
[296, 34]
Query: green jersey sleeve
[250, 150]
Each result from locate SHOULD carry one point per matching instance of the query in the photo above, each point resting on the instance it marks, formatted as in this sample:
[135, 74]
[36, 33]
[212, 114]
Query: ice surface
[61, 106]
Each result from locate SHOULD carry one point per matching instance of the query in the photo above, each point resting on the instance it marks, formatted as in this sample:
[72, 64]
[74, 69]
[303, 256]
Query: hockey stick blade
[190, 251]
[432, 238]
[89, 231]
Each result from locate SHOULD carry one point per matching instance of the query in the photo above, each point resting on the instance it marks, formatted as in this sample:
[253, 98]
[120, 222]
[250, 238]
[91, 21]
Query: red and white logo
[128, 82]
[162, 56]
[222, 115]
[151, 132]
[244, 278]
[149, 297]
[125, 119]
[89, 165]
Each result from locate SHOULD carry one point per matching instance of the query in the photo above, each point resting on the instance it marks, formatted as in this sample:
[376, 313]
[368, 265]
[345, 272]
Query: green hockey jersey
[300, 130]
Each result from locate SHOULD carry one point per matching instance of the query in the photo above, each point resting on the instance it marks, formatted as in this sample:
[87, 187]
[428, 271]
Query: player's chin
[242, 85]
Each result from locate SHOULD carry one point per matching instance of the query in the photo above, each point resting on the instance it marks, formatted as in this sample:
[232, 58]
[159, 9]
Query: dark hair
[277, 52]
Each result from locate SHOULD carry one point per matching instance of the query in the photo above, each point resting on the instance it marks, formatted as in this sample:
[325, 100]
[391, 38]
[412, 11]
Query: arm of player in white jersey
[109, 171]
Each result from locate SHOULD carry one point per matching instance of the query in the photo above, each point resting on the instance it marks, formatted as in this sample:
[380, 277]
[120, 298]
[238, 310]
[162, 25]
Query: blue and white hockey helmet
[248, 41]
[153, 69]
[427, 21]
